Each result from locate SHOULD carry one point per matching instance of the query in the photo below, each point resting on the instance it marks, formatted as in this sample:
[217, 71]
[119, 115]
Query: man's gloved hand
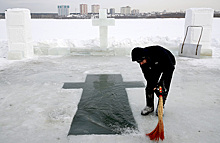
[157, 91]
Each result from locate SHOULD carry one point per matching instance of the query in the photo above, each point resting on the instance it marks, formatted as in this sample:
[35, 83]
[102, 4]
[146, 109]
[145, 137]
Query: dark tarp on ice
[104, 106]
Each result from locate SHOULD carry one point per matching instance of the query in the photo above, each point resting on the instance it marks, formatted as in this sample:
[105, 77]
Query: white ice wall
[199, 17]
[19, 33]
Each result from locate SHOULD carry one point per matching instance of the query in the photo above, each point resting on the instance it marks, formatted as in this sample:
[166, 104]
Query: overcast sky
[142, 5]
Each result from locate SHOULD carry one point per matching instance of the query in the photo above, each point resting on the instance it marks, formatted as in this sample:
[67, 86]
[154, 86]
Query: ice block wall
[199, 17]
[18, 23]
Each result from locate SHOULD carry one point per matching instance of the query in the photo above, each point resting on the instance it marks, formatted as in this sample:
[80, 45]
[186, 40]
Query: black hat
[137, 54]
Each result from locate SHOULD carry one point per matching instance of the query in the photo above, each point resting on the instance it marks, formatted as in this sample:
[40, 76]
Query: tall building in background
[135, 11]
[95, 8]
[112, 11]
[83, 9]
[126, 10]
[63, 10]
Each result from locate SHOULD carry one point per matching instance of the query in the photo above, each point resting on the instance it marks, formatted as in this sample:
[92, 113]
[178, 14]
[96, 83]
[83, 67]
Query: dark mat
[103, 107]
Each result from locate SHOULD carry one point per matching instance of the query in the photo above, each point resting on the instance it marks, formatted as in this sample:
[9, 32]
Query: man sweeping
[157, 64]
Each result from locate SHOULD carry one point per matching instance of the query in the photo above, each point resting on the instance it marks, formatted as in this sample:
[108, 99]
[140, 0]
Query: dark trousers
[155, 78]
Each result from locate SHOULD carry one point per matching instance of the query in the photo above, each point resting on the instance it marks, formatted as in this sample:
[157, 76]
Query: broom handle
[160, 106]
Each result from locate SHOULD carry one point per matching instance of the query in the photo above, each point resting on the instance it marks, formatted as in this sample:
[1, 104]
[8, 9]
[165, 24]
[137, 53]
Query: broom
[158, 132]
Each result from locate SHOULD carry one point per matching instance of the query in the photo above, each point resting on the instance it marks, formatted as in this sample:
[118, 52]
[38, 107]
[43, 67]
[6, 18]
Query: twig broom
[158, 132]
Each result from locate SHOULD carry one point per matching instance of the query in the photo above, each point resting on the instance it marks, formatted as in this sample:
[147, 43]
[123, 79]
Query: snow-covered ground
[34, 108]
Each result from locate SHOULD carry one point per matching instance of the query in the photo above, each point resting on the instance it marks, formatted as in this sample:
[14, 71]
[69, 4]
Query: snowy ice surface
[34, 108]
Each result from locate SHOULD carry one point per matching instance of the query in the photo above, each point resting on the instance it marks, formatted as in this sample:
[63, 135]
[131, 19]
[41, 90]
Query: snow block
[18, 16]
[15, 55]
[100, 52]
[58, 51]
[19, 31]
[122, 51]
[206, 52]
[24, 47]
[194, 34]
[199, 17]
[18, 35]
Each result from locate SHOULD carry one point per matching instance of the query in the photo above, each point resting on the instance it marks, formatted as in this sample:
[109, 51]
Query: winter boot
[147, 110]
[150, 104]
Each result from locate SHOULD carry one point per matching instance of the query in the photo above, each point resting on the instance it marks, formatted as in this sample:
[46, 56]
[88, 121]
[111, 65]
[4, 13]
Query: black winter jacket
[159, 60]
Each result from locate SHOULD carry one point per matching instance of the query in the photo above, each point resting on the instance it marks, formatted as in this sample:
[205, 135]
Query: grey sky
[142, 5]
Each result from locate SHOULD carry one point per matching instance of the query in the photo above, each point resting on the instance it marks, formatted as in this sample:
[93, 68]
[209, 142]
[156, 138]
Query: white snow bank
[125, 35]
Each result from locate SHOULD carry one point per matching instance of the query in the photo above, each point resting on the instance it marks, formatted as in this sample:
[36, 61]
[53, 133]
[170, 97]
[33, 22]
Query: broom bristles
[154, 135]
[158, 132]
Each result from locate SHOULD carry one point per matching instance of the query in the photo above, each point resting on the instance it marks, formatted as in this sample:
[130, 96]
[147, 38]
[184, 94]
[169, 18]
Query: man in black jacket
[157, 64]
